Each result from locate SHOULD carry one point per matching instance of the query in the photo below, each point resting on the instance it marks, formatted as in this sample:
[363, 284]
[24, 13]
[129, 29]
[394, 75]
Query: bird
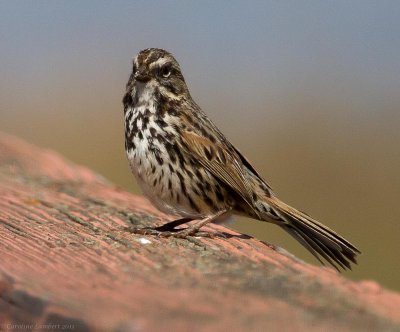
[187, 168]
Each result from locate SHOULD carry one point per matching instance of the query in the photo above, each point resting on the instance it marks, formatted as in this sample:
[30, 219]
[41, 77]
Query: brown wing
[223, 164]
[251, 168]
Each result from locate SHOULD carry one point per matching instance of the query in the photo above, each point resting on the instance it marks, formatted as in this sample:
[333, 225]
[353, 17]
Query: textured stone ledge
[67, 260]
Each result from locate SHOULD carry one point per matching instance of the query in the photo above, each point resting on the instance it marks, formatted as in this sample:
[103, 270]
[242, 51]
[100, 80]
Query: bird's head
[155, 74]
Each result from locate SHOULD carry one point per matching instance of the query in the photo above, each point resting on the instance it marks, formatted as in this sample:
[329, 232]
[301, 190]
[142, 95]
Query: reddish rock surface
[68, 263]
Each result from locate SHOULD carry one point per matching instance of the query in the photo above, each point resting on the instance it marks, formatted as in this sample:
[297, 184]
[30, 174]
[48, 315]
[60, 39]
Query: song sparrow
[188, 168]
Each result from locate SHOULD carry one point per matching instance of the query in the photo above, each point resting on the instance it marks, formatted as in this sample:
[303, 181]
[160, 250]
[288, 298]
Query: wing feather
[224, 165]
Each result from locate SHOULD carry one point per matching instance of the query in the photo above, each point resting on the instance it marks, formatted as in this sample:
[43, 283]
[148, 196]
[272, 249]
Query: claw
[169, 230]
[181, 234]
[143, 230]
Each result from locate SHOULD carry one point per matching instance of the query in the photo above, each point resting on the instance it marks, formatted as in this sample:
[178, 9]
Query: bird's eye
[165, 71]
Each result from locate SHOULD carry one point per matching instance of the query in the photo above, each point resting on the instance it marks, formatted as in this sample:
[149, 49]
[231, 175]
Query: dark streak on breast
[182, 182]
[192, 204]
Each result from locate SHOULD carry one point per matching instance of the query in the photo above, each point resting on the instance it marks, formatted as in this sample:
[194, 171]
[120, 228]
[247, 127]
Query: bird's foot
[177, 233]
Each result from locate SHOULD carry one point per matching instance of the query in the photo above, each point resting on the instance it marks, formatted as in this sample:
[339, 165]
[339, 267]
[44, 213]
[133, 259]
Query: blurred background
[309, 91]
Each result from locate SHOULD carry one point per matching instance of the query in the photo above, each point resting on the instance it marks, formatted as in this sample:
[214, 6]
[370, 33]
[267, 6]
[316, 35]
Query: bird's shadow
[226, 235]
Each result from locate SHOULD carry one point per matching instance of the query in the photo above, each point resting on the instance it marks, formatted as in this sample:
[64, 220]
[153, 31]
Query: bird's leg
[193, 229]
[168, 229]
[170, 226]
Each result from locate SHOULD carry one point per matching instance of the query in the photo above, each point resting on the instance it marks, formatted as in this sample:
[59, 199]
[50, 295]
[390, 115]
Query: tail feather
[332, 256]
[308, 244]
[314, 236]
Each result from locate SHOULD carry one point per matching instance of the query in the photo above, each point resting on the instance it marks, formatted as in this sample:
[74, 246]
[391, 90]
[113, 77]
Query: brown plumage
[187, 167]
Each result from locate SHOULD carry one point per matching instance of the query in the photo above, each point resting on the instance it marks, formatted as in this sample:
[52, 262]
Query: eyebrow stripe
[159, 62]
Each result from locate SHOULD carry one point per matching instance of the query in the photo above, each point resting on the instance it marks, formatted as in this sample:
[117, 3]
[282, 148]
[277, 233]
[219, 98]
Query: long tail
[314, 236]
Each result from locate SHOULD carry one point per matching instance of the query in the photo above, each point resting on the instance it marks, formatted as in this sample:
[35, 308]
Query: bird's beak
[142, 77]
